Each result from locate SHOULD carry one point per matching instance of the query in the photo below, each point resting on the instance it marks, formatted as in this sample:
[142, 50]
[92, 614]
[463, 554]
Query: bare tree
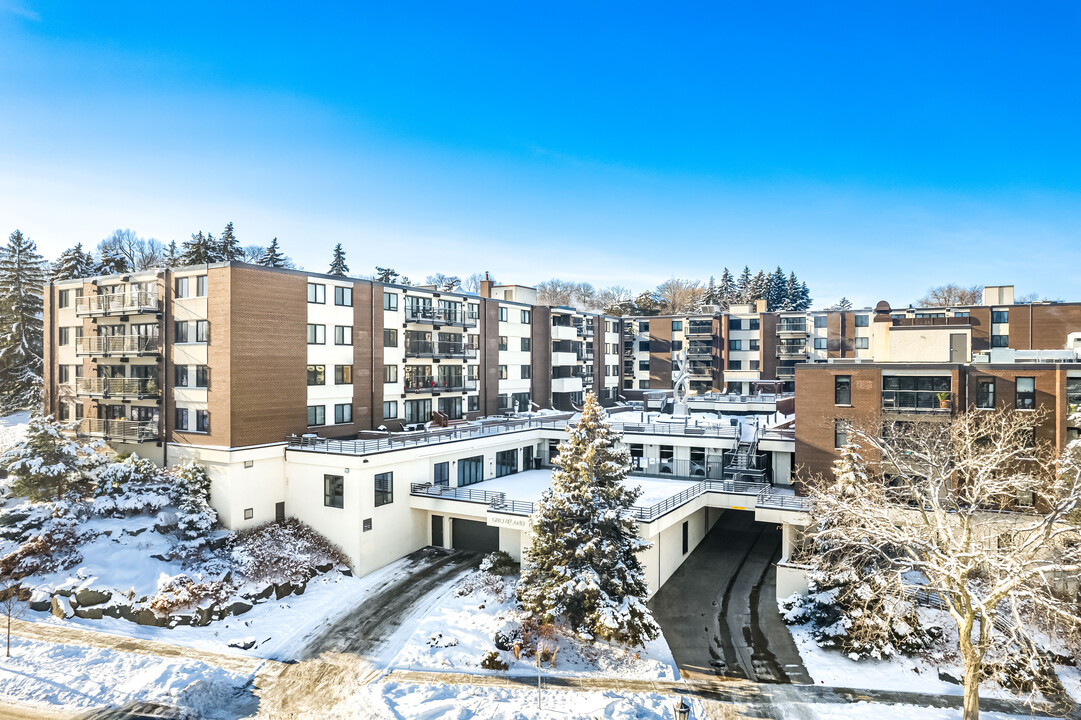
[149, 253]
[443, 282]
[980, 510]
[555, 292]
[11, 607]
[679, 296]
[952, 295]
[472, 283]
[614, 300]
[138, 253]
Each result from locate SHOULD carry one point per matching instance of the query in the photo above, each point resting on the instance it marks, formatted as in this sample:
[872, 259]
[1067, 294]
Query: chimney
[486, 286]
[998, 294]
[760, 306]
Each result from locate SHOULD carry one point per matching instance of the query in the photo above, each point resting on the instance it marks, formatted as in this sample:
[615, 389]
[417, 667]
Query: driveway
[719, 610]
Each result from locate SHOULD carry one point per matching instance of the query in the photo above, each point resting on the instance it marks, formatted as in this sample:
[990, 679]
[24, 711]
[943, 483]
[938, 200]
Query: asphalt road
[719, 610]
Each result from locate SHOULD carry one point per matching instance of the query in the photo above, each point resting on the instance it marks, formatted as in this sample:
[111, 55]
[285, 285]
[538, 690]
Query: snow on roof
[529, 486]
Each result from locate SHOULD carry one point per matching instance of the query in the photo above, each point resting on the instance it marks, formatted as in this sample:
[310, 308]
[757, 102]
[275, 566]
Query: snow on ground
[12, 428]
[464, 702]
[530, 484]
[81, 677]
[866, 711]
[459, 629]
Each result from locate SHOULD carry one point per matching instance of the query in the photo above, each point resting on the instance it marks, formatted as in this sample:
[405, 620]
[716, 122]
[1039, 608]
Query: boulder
[61, 607]
[246, 644]
[282, 589]
[237, 607]
[345, 571]
[87, 597]
[203, 616]
[262, 594]
[324, 568]
[148, 617]
[946, 677]
[41, 601]
[299, 588]
[90, 613]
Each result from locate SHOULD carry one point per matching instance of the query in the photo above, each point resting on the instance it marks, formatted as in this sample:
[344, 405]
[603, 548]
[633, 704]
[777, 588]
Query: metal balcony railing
[440, 316]
[117, 345]
[586, 330]
[439, 385]
[699, 328]
[439, 349]
[118, 303]
[117, 387]
[792, 327]
[124, 430]
[791, 350]
[915, 401]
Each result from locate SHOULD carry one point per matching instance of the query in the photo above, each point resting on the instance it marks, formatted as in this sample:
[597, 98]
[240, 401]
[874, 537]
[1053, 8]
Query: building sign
[515, 522]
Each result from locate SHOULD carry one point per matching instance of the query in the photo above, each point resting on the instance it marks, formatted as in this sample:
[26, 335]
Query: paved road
[719, 610]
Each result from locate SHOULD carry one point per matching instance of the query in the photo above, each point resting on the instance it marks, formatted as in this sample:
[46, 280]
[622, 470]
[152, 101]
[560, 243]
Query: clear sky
[875, 148]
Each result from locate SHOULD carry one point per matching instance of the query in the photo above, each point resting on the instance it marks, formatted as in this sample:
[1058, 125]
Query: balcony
[121, 345]
[700, 351]
[434, 386]
[792, 350]
[122, 430]
[792, 328]
[117, 387]
[700, 370]
[699, 329]
[916, 401]
[788, 372]
[118, 304]
[440, 349]
[426, 315]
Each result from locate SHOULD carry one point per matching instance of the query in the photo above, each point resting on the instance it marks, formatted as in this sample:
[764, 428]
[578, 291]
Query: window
[343, 413]
[473, 403]
[842, 390]
[418, 411]
[863, 343]
[1026, 393]
[502, 314]
[753, 364]
[181, 421]
[249, 513]
[64, 336]
[527, 344]
[924, 393]
[390, 337]
[202, 376]
[985, 394]
[734, 324]
[63, 298]
[643, 346]
[1000, 341]
[390, 409]
[840, 433]
[441, 474]
[343, 334]
[470, 470]
[752, 345]
[502, 342]
[63, 374]
[525, 317]
[317, 334]
[202, 421]
[317, 293]
[202, 331]
[821, 343]
[181, 334]
[643, 327]
[1000, 316]
[820, 321]
[334, 491]
[735, 344]
[753, 324]
[384, 489]
[677, 325]
[343, 374]
[643, 364]
[317, 375]
[182, 287]
[526, 372]
[180, 373]
[317, 415]
[735, 364]
[451, 407]
[200, 286]
[502, 372]
[390, 373]
[343, 296]
[506, 462]
[390, 301]
[861, 320]
[686, 539]
[677, 345]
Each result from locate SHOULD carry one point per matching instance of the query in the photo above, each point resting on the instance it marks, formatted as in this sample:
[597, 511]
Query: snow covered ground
[529, 485]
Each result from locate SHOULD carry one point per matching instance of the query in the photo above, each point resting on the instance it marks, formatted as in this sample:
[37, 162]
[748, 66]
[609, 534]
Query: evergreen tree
[111, 261]
[73, 263]
[726, 290]
[47, 465]
[228, 249]
[273, 257]
[804, 297]
[170, 257]
[843, 304]
[712, 295]
[199, 250]
[759, 287]
[776, 293]
[792, 295]
[386, 275]
[337, 264]
[192, 496]
[22, 278]
[583, 567]
[743, 286]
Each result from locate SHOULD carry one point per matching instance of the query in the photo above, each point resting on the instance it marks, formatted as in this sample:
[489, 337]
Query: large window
[506, 462]
[820, 321]
[200, 286]
[735, 324]
[451, 407]
[735, 344]
[180, 378]
[863, 343]
[985, 394]
[390, 373]
[181, 419]
[317, 415]
[1026, 393]
[677, 325]
[390, 301]
[821, 344]
[390, 337]
[1073, 391]
[317, 334]
[526, 317]
[418, 411]
[317, 375]
[334, 491]
[181, 332]
[441, 474]
[390, 409]
[527, 344]
[840, 433]
[470, 470]
[502, 314]
[861, 320]
[343, 296]
[842, 390]
[202, 421]
[914, 392]
[1000, 316]
[202, 376]
[317, 293]
[343, 374]
[1000, 341]
[202, 331]
[343, 413]
[502, 342]
[343, 334]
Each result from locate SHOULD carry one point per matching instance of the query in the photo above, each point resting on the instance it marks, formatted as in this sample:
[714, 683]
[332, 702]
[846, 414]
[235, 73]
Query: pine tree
[22, 278]
[776, 292]
[273, 257]
[337, 264]
[170, 257]
[743, 286]
[792, 296]
[804, 297]
[111, 261]
[192, 496]
[843, 304]
[199, 250]
[47, 465]
[386, 275]
[759, 287]
[73, 263]
[583, 567]
[727, 289]
[228, 249]
[711, 296]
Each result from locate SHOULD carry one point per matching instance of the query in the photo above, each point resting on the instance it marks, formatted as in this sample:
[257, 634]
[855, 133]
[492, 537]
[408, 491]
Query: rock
[946, 677]
[238, 607]
[300, 588]
[324, 568]
[87, 597]
[345, 571]
[41, 601]
[177, 620]
[263, 594]
[282, 589]
[91, 613]
[138, 531]
[163, 558]
[203, 616]
[61, 607]
[246, 644]
[147, 617]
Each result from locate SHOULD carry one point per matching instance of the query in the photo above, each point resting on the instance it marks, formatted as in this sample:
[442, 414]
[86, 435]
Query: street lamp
[683, 710]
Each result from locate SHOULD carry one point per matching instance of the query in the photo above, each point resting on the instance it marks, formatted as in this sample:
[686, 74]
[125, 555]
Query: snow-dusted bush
[182, 593]
[499, 563]
[55, 547]
[48, 465]
[195, 517]
[132, 486]
[289, 551]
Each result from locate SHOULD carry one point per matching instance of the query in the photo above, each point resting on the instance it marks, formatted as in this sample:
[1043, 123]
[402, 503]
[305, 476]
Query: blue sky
[875, 148]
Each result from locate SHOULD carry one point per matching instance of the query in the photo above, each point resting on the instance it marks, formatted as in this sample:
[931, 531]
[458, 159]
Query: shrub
[182, 593]
[493, 661]
[132, 486]
[54, 548]
[286, 551]
[499, 563]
